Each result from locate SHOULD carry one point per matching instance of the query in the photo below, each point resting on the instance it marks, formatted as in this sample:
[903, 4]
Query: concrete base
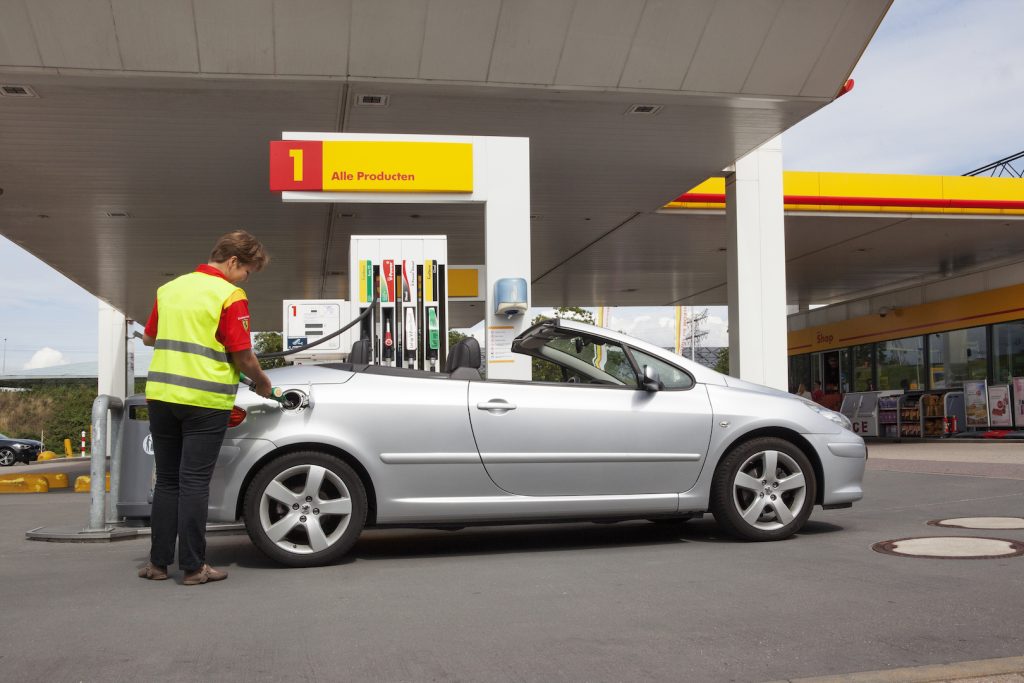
[67, 534]
[62, 534]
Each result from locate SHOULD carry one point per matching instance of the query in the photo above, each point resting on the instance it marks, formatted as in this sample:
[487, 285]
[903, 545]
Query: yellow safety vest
[189, 365]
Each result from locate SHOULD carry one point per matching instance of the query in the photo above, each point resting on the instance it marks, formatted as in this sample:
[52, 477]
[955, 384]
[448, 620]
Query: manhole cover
[981, 522]
[951, 547]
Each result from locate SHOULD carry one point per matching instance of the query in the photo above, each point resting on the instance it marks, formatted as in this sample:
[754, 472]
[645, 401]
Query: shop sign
[1018, 401]
[999, 406]
[976, 403]
[370, 166]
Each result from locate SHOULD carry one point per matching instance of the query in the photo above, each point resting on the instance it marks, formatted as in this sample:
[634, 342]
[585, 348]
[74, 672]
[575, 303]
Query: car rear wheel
[764, 490]
[305, 509]
[7, 457]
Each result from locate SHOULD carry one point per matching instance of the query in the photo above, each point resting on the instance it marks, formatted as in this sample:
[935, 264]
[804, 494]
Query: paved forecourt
[552, 602]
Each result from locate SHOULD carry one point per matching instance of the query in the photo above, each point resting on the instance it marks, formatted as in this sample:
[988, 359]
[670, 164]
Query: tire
[746, 500]
[7, 457]
[286, 509]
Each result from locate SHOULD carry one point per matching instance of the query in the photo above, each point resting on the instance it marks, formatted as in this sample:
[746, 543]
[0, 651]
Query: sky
[940, 90]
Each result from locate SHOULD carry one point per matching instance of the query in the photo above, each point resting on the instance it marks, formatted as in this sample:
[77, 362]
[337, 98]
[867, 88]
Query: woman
[200, 330]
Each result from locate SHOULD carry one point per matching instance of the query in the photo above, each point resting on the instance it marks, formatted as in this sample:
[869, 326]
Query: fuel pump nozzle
[276, 393]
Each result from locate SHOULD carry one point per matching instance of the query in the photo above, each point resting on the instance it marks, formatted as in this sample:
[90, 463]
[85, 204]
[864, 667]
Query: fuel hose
[321, 340]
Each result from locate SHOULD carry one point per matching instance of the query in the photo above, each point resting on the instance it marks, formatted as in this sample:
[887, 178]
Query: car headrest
[360, 352]
[465, 354]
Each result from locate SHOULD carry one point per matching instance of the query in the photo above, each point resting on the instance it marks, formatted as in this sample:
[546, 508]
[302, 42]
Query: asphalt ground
[565, 602]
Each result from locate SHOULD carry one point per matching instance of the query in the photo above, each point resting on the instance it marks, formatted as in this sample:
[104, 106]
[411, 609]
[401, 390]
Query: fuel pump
[408, 328]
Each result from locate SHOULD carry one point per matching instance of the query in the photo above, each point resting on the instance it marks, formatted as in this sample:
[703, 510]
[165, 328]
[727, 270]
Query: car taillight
[237, 416]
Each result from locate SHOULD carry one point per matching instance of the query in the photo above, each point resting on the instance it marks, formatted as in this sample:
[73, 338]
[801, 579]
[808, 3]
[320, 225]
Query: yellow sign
[372, 166]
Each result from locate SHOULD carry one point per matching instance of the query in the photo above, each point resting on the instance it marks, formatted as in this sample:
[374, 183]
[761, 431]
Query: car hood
[25, 442]
[756, 388]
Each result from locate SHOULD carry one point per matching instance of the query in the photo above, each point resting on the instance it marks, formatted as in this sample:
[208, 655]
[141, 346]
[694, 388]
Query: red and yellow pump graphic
[370, 166]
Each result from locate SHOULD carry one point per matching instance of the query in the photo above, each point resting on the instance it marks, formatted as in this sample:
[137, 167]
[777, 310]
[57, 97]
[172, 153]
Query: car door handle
[496, 406]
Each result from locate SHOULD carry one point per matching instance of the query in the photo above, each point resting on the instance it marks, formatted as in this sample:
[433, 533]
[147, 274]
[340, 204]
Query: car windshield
[574, 357]
[4, 436]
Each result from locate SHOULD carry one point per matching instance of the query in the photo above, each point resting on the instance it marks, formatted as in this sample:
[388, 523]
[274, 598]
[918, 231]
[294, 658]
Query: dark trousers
[186, 442]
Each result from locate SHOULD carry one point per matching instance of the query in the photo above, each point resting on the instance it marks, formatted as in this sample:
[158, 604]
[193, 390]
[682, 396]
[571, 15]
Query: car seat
[360, 353]
[464, 360]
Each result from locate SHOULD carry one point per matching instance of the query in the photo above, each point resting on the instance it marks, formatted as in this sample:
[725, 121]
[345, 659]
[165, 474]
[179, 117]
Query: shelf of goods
[888, 411]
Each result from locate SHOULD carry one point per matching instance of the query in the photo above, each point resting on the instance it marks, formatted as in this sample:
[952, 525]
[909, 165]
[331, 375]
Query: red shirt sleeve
[151, 324]
[233, 330]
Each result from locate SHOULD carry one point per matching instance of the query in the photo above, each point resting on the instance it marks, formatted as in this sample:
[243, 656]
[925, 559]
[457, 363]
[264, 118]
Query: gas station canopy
[142, 131]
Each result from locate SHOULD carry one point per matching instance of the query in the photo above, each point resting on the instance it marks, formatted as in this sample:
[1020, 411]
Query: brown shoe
[204, 574]
[153, 572]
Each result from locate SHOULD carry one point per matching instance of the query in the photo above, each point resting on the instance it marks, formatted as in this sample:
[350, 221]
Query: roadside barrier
[25, 483]
[83, 483]
[67, 448]
[46, 455]
[56, 480]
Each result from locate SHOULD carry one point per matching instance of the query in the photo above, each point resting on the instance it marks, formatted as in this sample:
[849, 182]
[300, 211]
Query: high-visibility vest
[189, 365]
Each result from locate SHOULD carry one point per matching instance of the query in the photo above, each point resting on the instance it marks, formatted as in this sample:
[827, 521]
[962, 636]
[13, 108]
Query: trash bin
[135, 497]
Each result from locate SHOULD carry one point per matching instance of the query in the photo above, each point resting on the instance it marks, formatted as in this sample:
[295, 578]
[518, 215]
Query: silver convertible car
[621, 429]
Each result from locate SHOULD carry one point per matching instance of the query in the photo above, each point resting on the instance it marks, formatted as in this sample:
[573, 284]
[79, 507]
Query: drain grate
[951, 548]
[980, 522]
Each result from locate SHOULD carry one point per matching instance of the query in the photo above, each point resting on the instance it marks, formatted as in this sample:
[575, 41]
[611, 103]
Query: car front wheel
[305, 509]
[7, 457]
[764, 490]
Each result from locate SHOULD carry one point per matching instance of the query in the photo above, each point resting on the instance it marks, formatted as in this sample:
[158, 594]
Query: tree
[454, 337]
[545, 371]
[722, 364]
[269, 342]
[569, 313]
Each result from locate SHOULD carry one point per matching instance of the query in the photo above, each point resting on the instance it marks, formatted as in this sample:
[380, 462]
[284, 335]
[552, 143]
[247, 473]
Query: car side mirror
[652, 381]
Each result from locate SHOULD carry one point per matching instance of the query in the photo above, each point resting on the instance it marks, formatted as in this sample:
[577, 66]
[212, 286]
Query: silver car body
[438, 450]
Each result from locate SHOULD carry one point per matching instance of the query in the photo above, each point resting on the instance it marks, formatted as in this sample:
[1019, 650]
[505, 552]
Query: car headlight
[832, 415]
[20, 446]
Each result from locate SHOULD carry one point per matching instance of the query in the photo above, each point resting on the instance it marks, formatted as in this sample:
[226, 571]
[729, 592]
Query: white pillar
[757, 267]
[506, 249]
[112, 379]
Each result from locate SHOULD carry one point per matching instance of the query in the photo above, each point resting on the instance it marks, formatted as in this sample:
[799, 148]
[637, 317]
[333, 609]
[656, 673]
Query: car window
[596, 361]
[671, 376]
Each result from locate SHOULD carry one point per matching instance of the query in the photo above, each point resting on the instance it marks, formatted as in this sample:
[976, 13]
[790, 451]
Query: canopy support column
[757, 267]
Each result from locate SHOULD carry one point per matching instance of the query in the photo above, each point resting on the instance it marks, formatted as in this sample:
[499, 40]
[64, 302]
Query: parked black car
[18, 450]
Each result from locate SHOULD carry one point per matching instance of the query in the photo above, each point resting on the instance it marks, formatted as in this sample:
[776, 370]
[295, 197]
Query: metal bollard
[98, 466]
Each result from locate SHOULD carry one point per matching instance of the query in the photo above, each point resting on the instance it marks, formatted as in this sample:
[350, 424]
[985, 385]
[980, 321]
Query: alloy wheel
[6, 457]
[305, 509]
[769, 490]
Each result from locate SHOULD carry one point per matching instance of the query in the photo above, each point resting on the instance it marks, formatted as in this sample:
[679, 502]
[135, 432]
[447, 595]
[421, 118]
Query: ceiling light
[17, 91]
[644, 109]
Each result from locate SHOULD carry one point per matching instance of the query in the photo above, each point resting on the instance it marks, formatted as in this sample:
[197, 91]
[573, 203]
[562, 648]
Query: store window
[863, 367]
[800, 372]
[845, 366]
[957, 356]
[901, 364]
[1007, 351]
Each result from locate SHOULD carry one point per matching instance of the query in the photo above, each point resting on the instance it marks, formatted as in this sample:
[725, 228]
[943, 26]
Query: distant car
[620, 430]
[18, 450]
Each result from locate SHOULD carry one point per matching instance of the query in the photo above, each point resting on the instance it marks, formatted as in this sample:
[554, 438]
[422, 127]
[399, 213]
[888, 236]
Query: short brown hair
[243, 246]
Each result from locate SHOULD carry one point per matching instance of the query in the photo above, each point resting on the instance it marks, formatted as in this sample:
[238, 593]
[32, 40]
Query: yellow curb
[27, 483]
[978, 670]
[84, 482]
[56, 480]
[47, 455]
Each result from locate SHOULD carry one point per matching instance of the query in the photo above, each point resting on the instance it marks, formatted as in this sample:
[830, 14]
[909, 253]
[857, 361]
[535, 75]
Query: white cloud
[45, 358]
[939, 90]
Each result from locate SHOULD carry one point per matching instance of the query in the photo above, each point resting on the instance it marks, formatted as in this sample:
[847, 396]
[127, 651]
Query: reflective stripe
[189, 347]
[193, 383]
